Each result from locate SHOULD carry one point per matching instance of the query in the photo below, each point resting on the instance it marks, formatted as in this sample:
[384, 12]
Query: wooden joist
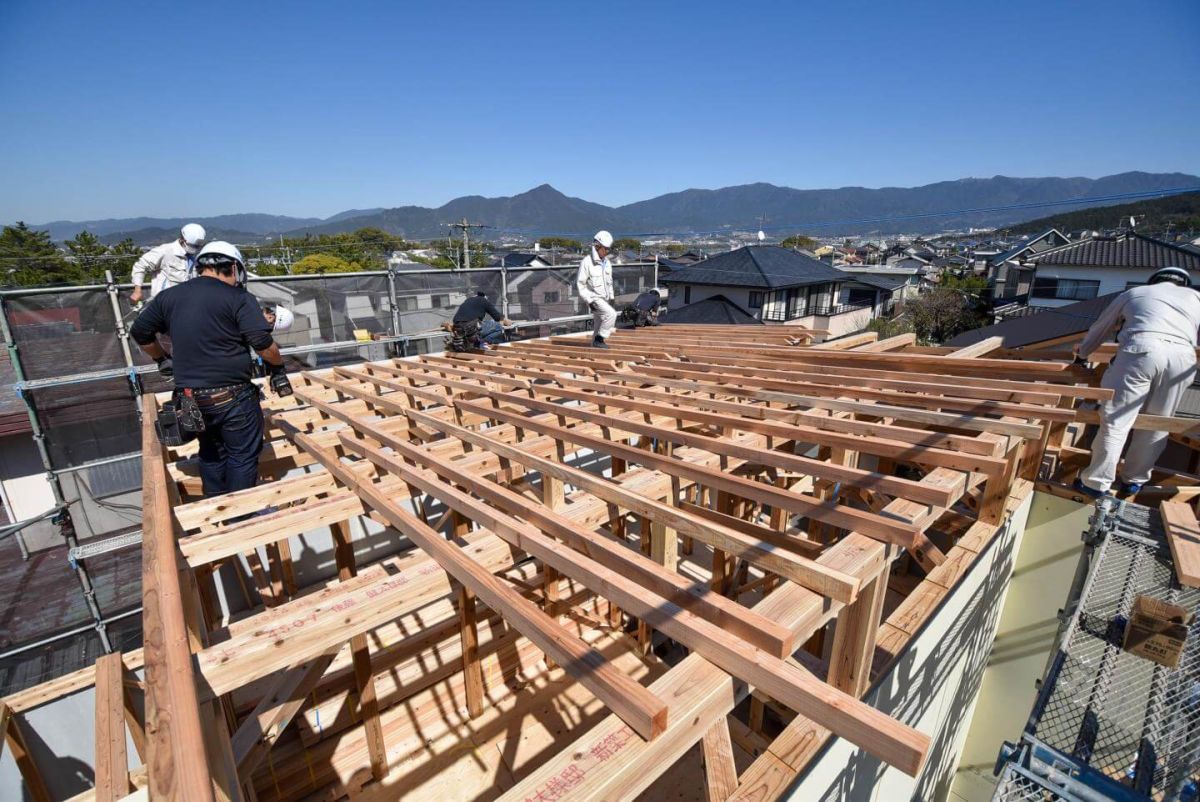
[1183, 535]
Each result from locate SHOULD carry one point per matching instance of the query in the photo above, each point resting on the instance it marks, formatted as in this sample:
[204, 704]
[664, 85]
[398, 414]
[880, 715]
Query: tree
[800, 242]
[324, 263]
[122, 255]
[29, 258]
[561, 243]
[88, 253]
[628, 244]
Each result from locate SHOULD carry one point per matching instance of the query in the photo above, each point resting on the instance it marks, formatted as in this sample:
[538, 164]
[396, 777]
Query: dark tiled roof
[1036, 244]
[518, 259]
[1058, 322]
[1126, 250]
[716, 309]
[765, 266]
[880, 283]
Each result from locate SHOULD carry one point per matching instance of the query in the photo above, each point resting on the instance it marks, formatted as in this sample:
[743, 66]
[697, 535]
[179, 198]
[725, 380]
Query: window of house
[439, 301]
[1066, 289]
[550, 297]
[406, 303]
[687, 294]
[756, 299]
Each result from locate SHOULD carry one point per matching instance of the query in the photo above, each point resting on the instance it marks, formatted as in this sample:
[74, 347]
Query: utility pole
[465, 227]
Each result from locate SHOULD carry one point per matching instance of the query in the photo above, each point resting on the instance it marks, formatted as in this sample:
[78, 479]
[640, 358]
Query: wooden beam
[981, 348]
[275, 710]
[469, 635]
[748, 625]
[792, 685]
[643, 711]
[1183, 535]
[112, 760]
[889, 344]
[870, 524]
[792, 566]
[720, 772]
[854, 639]
[848, 341]
[177, 762]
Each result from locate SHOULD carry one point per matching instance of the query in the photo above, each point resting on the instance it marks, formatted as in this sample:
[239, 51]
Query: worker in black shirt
[646, 308]
[213, 322]
[468, 323]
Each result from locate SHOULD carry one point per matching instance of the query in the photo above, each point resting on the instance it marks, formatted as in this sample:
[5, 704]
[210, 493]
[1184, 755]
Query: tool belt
[182, 418]
[465, 336]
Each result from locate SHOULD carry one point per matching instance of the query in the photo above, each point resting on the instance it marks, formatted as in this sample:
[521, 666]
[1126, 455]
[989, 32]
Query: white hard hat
[283, 318]
[193, 235]
[218, 252]
[603, 238]
[1175, 274]
[662, 292]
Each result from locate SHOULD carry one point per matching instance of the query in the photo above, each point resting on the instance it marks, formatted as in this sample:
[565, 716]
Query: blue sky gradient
[120, 108]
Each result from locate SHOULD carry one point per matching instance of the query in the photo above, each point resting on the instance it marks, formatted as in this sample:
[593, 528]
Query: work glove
[279, 381]
[166, 368]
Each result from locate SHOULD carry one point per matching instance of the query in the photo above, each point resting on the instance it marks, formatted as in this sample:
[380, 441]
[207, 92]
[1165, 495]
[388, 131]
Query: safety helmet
[193, 236]
[283, 319]
[220, 253]
[662, 292]
[603, 238]
[1174, 274]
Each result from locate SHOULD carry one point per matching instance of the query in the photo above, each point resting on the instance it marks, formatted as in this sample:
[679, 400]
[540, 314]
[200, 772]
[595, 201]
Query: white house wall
[1112, 279]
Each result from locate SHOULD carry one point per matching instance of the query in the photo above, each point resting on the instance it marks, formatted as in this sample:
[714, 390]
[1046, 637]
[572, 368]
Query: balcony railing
[779, 315]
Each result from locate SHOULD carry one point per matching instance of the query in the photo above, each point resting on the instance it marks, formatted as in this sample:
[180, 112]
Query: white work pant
[1150, 383]
[604, 318]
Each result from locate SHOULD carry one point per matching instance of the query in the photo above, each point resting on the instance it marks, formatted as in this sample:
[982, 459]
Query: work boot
[1130, 488]
[1080, 487]
[598, 342]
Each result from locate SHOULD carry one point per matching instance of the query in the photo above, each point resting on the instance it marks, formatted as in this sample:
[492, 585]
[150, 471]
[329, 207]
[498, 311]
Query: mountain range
[782, 210]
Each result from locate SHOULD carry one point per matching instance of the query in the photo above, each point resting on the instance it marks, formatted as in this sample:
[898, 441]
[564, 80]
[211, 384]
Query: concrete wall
[933, 687]
[1044, 569]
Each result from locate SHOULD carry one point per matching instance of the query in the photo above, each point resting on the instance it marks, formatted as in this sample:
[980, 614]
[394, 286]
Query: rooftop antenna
[762, 219]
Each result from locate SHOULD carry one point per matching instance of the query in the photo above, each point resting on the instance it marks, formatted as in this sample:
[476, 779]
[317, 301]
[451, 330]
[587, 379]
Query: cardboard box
[1157, 631]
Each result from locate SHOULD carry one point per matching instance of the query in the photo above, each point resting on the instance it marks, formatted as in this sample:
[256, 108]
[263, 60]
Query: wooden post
[720, 772]
[360, 652]
[854, 638]
[112, 761]
[469, 634]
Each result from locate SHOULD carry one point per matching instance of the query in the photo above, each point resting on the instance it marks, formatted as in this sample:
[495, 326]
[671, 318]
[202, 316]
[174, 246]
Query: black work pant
[231, 442]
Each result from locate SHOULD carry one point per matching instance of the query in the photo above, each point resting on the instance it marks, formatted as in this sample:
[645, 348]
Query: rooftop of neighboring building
[758, 266]
[1020, 332]
[714, 310]
[1128, 249]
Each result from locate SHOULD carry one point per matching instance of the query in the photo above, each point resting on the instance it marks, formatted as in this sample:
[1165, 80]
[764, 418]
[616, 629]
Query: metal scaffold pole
[63, 519]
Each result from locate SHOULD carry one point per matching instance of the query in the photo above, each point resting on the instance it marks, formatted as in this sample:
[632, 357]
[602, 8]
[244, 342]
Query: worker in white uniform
[595, 284]
[169, 264]
[1155, 362]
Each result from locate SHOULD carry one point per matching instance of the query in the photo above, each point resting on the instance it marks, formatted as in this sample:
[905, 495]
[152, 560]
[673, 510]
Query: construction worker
[1155, 362]
[213, 323]
[280, 317]
[595, 284]
[169, 264]
[467, 327]
[646, 308]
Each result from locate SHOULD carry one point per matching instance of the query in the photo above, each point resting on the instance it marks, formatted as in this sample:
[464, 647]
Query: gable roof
[762, 266]
[1031, 245]
[713, 310]
[1051, 324]
[1125, 250]
[518, 259]
[880, 282]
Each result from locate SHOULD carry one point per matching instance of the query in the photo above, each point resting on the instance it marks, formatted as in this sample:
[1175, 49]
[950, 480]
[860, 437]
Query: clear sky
[115, 108]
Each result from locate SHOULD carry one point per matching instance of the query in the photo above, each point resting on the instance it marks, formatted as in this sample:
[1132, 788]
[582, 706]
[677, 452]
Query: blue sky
[114, 109]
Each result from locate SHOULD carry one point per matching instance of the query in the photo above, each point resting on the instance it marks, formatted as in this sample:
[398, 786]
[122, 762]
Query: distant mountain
[255, 224]
[837, 211]
[541, 209]
[545, 210]
[157, 235]
[1153, 216]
